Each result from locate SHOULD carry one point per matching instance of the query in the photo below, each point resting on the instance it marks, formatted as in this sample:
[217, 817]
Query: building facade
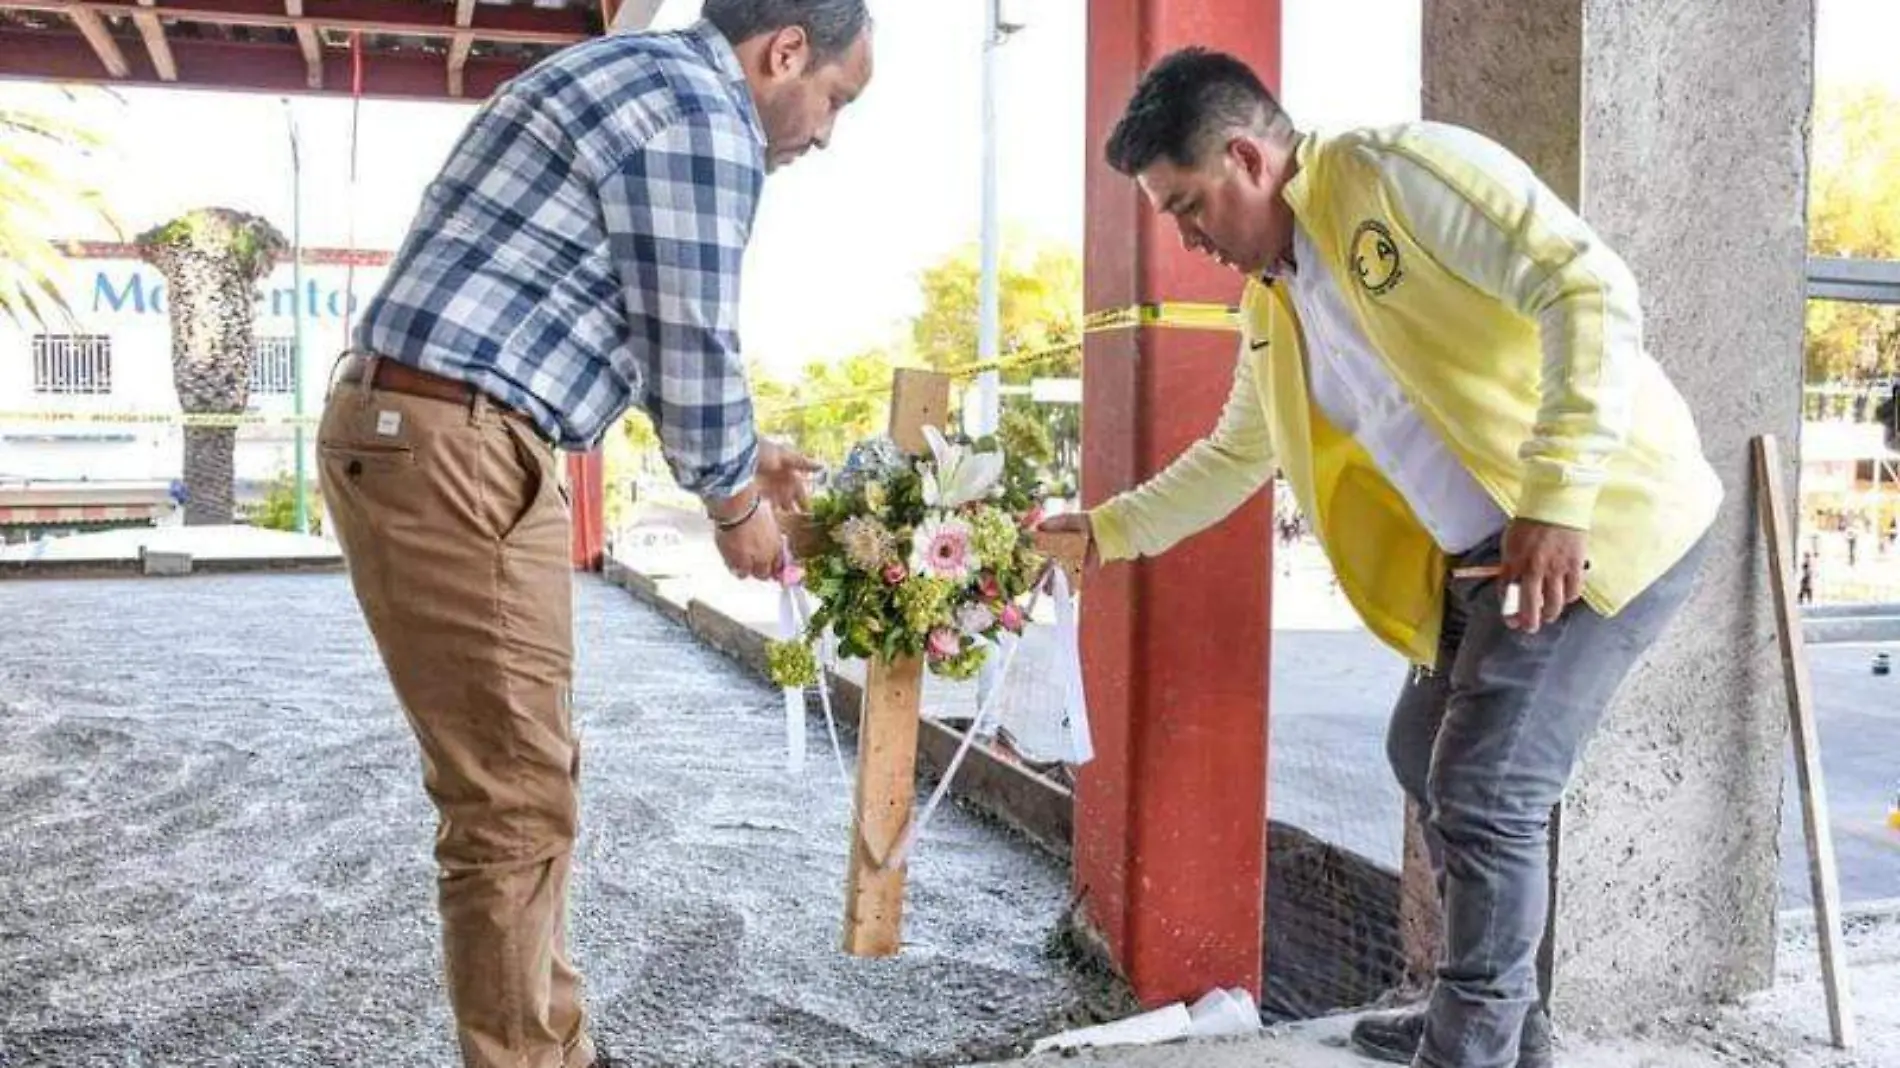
[90, 430]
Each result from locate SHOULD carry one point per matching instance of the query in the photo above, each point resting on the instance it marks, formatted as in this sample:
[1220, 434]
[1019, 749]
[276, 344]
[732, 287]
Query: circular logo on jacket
[1375, 257]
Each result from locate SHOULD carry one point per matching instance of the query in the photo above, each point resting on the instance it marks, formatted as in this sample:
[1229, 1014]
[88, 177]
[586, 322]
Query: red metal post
[586, 486]
[1170, 839]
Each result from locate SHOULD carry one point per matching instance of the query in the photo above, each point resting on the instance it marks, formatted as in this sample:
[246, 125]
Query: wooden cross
[893, 707]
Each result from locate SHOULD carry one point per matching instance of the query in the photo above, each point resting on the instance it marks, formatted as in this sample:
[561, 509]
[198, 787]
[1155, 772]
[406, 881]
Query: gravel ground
[218, 854]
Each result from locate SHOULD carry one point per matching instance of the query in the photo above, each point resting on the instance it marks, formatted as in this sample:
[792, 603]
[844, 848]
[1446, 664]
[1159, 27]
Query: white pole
[988, 406]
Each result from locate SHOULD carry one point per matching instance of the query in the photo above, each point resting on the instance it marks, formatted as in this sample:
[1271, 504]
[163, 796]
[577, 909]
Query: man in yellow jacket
[1447, 367]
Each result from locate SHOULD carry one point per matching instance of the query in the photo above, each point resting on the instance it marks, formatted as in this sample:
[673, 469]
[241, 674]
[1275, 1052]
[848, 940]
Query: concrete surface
[1667, 855]
[203, 544]
[1782, 1028]
[1830, 624]
[217, 853]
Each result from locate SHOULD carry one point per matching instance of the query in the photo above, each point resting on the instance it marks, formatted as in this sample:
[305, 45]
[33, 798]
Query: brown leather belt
[415, 382]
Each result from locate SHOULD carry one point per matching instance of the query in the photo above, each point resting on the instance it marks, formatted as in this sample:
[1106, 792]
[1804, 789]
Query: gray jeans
[1485, 745]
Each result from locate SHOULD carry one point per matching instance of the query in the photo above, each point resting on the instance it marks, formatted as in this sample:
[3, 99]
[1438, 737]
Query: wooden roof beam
[258, 67]
[307, 41]
[153, 31]
[509, 24]
[459, 46]
[93, 28]
[629, 16]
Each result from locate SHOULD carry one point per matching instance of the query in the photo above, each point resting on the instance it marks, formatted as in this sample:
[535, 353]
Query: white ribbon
[794, 695]
[1075, 713]
[794, 615]
[827, 663]
[1075, 706]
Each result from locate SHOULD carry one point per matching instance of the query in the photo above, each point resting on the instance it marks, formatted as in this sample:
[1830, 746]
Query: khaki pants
[455, 526]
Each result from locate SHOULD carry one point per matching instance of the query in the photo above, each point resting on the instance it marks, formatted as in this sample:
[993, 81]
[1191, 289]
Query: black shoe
[1394, 1037]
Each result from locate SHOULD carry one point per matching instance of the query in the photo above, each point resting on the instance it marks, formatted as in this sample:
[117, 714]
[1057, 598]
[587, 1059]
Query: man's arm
[1484, 216]
[678, 213]
[1200, 488]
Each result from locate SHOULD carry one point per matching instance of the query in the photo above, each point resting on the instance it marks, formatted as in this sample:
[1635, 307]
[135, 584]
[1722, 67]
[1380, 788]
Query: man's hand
[1073, 523]
[1546, 562]
[754, 548]
[782, 476]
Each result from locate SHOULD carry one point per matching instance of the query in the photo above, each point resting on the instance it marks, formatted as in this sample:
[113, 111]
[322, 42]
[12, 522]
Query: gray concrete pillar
[1681, 128]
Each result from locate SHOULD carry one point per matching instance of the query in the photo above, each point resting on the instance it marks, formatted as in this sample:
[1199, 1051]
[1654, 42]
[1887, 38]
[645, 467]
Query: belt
[397, 377]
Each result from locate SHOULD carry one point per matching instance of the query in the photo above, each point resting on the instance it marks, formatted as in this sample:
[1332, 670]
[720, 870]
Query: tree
[43, 159]
[278, 509]
[1854, 211]
[212, 260]
[832, 407]
[1041, 307]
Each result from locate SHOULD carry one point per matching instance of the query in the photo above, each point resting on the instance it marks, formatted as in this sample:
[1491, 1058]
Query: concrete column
[1682, 129]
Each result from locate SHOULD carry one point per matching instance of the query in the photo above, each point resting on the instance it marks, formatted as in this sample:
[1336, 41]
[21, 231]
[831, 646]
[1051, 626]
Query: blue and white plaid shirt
[580, 251]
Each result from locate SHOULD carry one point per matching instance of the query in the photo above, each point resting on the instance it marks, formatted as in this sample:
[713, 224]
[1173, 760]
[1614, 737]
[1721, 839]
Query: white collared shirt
[1351, 385]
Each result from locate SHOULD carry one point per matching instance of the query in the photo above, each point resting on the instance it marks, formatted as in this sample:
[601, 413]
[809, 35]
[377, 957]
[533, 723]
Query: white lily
[959, 475]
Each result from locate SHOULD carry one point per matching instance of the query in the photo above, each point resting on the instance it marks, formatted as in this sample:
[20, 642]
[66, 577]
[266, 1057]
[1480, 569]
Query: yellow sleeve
[1485, 217]
[1200, 488]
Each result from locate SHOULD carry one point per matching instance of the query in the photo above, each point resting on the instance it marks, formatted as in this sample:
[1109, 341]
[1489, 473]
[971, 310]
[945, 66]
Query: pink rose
[987, 585]
[894, 573]
[942, 643]
[1033, 519]
[1012, 619]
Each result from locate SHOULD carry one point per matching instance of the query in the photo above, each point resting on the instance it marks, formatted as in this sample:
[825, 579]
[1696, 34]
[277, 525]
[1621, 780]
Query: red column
[586, 487]
[1170, 838]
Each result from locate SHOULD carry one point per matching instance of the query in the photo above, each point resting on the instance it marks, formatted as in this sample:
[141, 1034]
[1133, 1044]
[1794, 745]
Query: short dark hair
[832, 25]
[1188, 103]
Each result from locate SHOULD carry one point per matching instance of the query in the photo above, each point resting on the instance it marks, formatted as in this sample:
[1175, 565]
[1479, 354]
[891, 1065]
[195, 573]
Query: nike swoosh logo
[1257, 345]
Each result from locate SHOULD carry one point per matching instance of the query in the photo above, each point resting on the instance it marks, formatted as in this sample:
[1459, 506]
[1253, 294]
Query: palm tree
[43, 158]
[212, 260]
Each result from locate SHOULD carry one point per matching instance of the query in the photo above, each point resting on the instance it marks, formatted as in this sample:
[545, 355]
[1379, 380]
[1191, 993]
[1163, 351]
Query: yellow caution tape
[1177, 315]
[159, 419]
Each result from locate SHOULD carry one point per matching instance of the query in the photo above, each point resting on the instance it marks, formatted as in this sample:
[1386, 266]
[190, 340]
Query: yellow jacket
[1514, 331]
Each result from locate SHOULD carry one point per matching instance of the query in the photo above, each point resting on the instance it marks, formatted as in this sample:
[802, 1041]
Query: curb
[28, 570]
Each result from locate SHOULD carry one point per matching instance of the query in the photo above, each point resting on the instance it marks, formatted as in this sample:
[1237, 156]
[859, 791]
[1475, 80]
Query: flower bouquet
[925, 556]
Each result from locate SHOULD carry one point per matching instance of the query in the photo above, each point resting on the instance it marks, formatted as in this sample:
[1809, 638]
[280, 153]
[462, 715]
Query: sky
[841, 236]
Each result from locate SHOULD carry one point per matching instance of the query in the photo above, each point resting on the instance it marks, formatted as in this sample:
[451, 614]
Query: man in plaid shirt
[579, 254]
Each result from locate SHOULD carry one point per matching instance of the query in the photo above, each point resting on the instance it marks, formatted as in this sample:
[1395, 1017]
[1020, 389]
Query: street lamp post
[296, 315]
[988, 413]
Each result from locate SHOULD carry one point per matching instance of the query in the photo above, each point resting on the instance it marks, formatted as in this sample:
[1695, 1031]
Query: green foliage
[1040, 306]
[46, 163]
[832, 407]
[250, 240]
[1854, 211]
[278, 509]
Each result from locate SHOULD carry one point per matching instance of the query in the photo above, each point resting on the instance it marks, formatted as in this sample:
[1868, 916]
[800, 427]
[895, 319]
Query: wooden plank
[1069, 550]
[307, 42]
[806, 539]
[918, 399]
[1772, 504]
[887, 789]
[887, 735]
[507, 24]
[93, 28]
[459, 47]
[153, 32]
[629, 16]
[413, 74]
